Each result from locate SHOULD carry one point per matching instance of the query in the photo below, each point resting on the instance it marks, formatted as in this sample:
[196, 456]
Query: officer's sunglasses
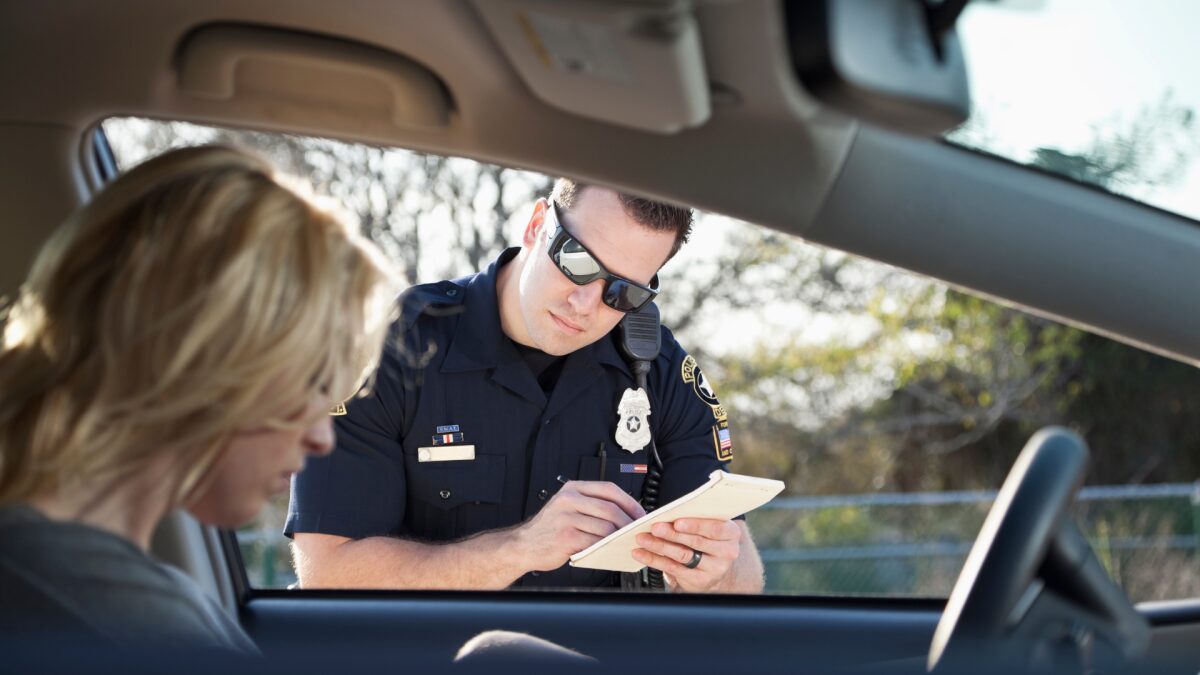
[581, 267]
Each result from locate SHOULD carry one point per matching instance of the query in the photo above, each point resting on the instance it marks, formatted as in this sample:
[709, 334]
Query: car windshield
[1102, 93]
[891, 406]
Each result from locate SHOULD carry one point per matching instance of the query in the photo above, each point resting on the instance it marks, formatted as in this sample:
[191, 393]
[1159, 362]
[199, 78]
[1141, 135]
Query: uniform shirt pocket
[453, 499]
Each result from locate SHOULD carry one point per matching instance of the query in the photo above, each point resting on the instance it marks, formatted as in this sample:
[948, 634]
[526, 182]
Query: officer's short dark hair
[654, 215]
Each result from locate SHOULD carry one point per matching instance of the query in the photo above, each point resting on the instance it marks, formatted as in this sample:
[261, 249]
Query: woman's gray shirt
[71, 578]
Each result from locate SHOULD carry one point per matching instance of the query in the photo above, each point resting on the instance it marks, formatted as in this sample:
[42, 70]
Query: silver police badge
[633, 425]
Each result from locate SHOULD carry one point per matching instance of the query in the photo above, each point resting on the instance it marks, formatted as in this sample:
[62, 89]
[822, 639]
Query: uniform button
[445, 494]
[452, 292]
[536, 573]
[543, 494]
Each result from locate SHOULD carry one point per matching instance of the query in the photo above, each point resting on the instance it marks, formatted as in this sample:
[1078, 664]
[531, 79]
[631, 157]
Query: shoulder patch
[691, 375]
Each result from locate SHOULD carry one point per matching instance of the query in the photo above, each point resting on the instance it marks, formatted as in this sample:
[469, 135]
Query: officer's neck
[508, 300]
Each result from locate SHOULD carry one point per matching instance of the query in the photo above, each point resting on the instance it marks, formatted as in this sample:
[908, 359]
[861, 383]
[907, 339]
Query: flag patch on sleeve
[722, 443]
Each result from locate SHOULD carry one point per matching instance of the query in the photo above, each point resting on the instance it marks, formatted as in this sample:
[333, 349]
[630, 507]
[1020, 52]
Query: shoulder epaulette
[429, 298]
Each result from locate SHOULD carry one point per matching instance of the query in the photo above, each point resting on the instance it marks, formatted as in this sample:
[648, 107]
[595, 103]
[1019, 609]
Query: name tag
[446, 453]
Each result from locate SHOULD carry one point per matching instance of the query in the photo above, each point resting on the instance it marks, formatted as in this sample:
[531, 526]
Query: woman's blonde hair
[192, 298]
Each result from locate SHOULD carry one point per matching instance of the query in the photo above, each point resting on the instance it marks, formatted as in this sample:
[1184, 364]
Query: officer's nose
[585, 299]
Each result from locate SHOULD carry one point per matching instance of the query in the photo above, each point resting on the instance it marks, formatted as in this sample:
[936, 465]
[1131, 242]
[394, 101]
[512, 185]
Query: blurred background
[892, 406]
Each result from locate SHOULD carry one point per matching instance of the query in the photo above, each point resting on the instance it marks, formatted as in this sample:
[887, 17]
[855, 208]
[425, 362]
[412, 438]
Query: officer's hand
[670, 545]
[581, 514]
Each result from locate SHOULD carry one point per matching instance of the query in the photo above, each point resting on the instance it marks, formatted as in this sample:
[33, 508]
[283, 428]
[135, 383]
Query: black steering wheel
[1031, 591]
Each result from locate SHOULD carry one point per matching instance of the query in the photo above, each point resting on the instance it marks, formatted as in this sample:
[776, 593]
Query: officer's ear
[536, 226]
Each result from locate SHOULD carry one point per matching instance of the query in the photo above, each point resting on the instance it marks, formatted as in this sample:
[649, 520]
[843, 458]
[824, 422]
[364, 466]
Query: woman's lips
[283, 481]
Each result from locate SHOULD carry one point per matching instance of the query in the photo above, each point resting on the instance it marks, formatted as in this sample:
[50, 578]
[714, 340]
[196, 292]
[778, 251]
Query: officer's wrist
[512, 550]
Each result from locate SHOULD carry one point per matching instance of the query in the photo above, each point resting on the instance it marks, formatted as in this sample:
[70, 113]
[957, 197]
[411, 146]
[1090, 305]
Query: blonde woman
[178, 344]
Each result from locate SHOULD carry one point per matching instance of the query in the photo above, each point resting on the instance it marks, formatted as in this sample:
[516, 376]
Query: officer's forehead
[625, 246]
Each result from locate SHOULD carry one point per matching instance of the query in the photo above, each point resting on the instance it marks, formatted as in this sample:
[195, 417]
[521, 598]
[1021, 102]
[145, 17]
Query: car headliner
[769, 154]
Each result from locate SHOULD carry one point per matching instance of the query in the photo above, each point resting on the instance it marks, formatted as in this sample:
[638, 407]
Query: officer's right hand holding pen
[581, 514]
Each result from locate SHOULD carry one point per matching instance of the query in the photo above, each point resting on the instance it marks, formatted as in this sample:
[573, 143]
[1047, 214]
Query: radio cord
[652, 577]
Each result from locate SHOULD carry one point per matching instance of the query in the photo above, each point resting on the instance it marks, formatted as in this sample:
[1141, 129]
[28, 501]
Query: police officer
[488, 451]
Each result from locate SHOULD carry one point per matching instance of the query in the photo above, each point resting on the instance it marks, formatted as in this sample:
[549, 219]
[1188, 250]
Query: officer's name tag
[446, 453]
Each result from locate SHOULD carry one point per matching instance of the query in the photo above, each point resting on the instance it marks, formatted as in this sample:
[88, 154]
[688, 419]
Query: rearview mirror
[896, 64]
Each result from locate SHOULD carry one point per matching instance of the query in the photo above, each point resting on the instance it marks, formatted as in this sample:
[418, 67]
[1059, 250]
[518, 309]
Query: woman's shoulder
[85, 578]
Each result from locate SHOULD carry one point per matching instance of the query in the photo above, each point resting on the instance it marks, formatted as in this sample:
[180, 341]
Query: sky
[1050, 72]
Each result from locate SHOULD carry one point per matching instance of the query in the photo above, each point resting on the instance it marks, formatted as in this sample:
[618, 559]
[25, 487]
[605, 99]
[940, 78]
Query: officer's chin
[558, 349]
[554, 343]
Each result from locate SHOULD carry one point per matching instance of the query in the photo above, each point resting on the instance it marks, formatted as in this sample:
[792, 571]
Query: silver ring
[695, 561]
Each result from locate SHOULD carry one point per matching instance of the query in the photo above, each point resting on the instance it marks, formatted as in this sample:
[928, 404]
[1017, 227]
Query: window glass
[1100, 92]
[892, 406]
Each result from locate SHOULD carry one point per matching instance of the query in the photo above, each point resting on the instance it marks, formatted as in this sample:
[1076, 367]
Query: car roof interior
[431, 76]
[440, 76]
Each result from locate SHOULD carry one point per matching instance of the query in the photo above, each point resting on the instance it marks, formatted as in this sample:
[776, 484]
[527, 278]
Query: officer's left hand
[670, 546]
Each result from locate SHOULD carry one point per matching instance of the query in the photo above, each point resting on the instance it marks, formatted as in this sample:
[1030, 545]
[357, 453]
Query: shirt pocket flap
[630, 479]
[446, 485]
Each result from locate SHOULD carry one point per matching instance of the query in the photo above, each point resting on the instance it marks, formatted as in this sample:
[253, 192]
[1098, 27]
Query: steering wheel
[1029, 552]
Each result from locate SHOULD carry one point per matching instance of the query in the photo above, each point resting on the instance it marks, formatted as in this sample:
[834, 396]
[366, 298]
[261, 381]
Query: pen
[602, 461]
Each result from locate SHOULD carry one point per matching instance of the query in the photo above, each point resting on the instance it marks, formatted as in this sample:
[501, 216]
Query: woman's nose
[319, 438]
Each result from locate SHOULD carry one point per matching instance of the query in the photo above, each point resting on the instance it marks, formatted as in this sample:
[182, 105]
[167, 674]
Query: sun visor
[305, 79]
[638, 65]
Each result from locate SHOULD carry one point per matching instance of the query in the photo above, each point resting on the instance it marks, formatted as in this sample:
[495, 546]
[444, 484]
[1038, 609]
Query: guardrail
[1148, 536]
[906, 544]
[1087, 494]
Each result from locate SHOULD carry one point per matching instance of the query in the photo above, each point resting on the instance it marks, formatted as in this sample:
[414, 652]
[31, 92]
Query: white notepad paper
[724, 496]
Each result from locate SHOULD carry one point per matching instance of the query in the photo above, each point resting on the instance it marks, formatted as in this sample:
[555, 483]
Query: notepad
[724, 496]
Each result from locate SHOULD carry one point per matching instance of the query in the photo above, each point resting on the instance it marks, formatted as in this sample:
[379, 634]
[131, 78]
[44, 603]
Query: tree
[434, 216]
[914, 379]
[939, 389]
[1152, 150]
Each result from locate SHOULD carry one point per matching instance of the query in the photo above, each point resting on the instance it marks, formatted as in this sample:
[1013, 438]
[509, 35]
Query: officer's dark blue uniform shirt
[451, 377]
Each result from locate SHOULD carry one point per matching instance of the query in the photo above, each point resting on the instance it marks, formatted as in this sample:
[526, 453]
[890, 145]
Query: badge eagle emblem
[633, 424]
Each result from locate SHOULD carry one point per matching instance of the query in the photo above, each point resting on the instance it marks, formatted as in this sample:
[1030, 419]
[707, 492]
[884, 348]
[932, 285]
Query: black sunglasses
[581, 267]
